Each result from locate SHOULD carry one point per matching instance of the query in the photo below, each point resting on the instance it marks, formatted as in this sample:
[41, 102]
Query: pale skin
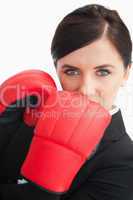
[96, 70]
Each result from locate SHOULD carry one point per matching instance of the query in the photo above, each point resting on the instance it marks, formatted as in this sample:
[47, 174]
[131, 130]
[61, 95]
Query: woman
[91, 50]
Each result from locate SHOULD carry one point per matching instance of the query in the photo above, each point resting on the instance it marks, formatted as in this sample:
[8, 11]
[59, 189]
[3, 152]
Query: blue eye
[105, 72]
[71, 72]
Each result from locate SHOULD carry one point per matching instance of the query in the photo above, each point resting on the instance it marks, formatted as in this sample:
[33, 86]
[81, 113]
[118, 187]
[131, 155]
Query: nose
[89, 87]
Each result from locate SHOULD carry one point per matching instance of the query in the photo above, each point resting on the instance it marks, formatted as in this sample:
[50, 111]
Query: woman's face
[95, 70]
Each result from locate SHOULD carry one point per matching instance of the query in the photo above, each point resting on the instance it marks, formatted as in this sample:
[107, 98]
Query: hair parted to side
[87, 24]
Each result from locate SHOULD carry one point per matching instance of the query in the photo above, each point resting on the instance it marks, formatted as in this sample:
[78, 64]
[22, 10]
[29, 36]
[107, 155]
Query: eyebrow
[97, 67]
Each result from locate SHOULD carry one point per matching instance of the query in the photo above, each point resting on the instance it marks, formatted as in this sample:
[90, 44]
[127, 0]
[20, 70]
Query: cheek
[109, 93]
[69, 84]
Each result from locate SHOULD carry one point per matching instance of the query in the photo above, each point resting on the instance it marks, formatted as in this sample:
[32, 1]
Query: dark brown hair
[87, 24]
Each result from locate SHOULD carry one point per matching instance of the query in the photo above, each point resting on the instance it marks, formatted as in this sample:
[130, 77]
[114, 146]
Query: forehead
[97, 53]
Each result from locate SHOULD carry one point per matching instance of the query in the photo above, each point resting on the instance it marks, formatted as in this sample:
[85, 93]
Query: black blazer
[106, 175]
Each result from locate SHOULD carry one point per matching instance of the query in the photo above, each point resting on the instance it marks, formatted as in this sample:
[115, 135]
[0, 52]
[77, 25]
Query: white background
[26, 31]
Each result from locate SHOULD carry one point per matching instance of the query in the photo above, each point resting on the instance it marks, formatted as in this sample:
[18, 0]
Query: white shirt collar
[114, 110]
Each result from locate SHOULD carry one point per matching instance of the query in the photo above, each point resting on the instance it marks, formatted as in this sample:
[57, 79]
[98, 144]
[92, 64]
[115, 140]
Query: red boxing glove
[65, 136]
[16, 91]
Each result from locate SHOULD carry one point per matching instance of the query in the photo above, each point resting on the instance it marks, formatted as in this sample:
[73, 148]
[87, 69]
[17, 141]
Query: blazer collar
[116, 128]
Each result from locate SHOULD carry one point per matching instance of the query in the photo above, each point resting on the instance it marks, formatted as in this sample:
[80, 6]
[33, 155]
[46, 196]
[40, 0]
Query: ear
[127, 72]
[126, 75]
